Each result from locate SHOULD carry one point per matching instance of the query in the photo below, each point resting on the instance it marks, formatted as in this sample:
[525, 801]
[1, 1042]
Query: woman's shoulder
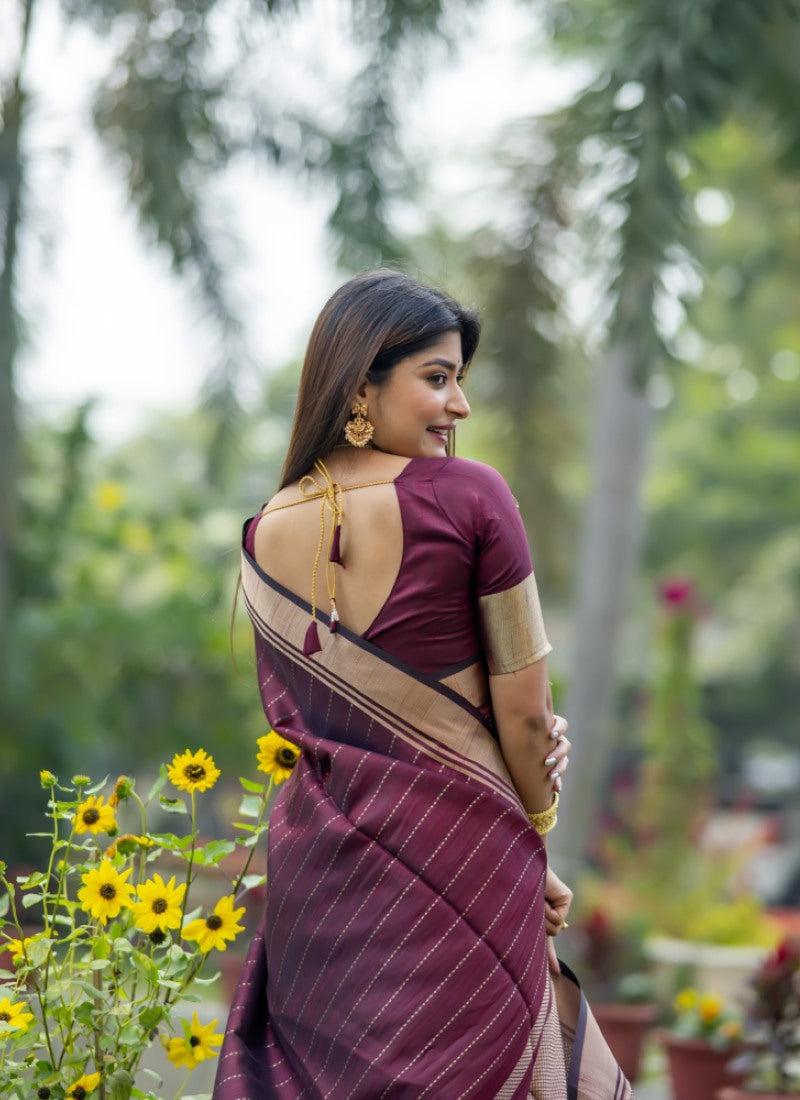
[470, 494]
[476, 480]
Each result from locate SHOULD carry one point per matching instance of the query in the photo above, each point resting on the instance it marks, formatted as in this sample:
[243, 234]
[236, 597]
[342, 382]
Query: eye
[438, 379]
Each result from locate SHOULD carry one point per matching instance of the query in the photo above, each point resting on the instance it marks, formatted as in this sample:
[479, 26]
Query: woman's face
[416, 409]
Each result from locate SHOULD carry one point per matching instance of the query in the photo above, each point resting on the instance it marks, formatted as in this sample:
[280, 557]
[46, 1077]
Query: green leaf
[159, 784]
[101, 948]
[215, 851]
[249, 785]
[30, 900]
[210, 980]
[249, 841]
[119, 1082]
[249, 881]
[170, 841]
[250, 806]
[167, 983]
[152, 1016]
[27, 882]
[172, 805]
[99, 964]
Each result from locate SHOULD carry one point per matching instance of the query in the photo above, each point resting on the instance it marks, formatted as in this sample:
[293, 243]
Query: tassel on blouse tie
[331, 496]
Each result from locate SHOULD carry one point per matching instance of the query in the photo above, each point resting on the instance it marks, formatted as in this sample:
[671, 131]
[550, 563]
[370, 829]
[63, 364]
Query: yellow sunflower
[83, 1086]
[709, 1008]
[276, 756]
[219, 926]
[127, 844]
[14, 1016]
[193, 771]
[195, 1045]
[159, 904]
[105, 892]
[18, 948]
[95, 817]
[686, 1000]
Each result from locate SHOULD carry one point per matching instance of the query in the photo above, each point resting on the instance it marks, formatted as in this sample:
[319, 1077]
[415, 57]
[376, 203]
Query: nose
[457, 404]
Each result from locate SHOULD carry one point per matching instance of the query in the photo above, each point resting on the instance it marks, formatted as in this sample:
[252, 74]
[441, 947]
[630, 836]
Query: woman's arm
[523, 712]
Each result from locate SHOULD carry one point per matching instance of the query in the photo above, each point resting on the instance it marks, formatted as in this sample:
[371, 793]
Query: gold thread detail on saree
[545, 821]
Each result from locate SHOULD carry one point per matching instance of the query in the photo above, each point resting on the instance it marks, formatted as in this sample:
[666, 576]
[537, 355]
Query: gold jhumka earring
[358, 431]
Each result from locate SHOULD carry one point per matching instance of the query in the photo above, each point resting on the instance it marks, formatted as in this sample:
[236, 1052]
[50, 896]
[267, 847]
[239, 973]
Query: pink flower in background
[678, 593]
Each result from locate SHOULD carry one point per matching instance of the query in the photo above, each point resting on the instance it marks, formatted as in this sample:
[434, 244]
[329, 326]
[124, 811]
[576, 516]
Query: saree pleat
[402, 953]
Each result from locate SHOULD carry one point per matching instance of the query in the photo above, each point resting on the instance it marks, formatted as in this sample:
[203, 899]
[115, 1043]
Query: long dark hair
[366, 327]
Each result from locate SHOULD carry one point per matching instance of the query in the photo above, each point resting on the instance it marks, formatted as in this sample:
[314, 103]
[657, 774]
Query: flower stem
[251, 853]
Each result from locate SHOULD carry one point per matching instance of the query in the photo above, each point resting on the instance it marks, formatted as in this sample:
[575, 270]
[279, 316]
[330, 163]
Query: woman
[400, 645]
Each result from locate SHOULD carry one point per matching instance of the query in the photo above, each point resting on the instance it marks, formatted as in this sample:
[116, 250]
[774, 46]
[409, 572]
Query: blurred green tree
[665, 73]
[722, 494]
[187, 92]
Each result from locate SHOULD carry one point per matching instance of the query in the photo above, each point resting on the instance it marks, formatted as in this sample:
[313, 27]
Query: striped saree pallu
[402, 953]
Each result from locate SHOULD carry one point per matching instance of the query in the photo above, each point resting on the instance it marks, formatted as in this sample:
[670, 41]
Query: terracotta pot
[624, 1028]
[697, 1071]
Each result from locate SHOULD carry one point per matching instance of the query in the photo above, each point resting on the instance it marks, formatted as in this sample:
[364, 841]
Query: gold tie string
[329, 493]
[321, 486]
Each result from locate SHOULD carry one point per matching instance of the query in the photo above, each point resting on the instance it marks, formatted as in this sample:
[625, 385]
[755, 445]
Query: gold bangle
[545, 820]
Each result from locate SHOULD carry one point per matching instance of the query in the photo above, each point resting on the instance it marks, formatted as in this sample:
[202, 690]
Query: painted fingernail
[549, 761]
[557, 783]
[554, 733]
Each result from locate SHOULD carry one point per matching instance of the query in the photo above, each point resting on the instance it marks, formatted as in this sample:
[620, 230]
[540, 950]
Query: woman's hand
[558, 755]
[557, 900]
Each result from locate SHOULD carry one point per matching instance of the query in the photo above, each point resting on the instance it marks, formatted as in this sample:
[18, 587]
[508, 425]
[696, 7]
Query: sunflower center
[194, 1041]
[194, 772]
[79, 1093]
[108, 891]
[157, 936]
[43, 1093]
[5, 1017]
[159, 905]
[286, 757]
[214, 922]
[90, 816]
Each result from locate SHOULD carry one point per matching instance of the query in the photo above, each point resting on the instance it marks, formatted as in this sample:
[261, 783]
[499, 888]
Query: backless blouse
[465, 592]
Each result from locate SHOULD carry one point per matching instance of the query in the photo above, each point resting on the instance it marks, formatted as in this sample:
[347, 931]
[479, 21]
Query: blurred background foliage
[641, 241]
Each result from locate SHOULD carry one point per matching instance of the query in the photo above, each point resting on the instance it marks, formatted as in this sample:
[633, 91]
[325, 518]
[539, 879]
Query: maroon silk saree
[402, 953]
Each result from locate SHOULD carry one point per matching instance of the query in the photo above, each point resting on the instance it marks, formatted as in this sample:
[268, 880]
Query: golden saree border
[425, 715]
[513, 627]
[471, 682]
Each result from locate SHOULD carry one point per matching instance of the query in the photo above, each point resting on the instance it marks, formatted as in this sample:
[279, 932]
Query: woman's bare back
[287, 538]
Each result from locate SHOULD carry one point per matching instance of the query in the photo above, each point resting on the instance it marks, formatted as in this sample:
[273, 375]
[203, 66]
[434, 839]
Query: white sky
[106, 317]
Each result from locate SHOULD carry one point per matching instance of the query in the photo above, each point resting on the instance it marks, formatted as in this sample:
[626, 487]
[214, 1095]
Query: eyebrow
[438, 361]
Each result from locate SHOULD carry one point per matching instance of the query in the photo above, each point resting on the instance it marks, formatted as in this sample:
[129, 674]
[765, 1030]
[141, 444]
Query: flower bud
[123, 789]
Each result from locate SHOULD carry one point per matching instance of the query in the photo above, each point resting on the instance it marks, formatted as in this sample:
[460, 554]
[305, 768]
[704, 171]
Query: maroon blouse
[463, 539]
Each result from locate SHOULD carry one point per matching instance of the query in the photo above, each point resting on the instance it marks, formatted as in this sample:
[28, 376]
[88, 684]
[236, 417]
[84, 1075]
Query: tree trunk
[609, 551]
[11, 181]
